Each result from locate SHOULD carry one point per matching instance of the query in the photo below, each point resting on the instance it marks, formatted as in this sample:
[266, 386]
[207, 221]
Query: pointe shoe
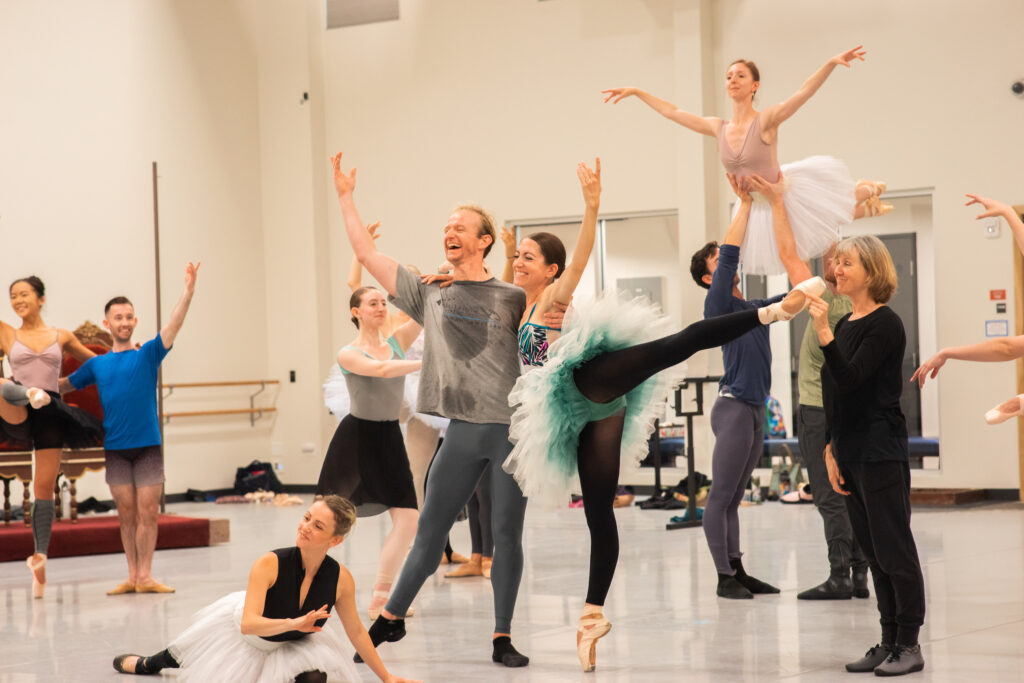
[875, 187]
[796, 300]
[152, 586]
[593, 626]
[1004, 411]
[873, 206]
[37, 568]
[485, 567]
[37, 398]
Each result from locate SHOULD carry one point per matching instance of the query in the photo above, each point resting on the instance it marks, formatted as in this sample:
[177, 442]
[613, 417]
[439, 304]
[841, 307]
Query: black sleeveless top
[282, 600]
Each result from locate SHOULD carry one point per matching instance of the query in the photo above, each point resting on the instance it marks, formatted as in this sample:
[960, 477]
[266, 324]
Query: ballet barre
[691, 480]
[254, 412]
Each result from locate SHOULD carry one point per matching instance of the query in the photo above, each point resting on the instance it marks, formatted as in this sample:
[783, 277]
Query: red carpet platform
[98, 535]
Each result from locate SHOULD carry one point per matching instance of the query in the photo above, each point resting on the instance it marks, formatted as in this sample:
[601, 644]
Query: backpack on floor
[256, 476]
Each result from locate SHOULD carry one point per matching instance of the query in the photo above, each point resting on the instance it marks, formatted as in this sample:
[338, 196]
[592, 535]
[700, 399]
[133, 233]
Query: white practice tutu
[551, 412]
[412, 387]
[213, 648]
[820, 199]
[336, 396]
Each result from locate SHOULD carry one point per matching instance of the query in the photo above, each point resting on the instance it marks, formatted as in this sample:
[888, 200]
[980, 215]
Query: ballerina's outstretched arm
[355, 273]
[561, 291]
[705, 125]
[995, 350]
[776, 114]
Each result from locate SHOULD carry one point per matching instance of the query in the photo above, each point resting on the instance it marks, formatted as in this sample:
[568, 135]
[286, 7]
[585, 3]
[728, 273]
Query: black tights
[602, 380]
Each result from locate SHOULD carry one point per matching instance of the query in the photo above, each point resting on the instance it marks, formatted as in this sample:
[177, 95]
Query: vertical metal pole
[159, 322]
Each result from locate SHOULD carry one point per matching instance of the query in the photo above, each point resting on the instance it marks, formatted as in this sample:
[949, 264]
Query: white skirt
[213, 648]
[820, 199]
[336, 396]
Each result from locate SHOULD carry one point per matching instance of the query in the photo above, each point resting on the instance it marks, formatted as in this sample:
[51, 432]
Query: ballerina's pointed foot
[1004, 411]
[873, 206]
[593, 627]
[874, 187]
[38, 569]
[794, 302]
[37, 398]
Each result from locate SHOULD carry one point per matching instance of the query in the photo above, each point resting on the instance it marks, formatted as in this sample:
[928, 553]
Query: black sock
[153, 665]
[753, 585]
[386, 630]
[505, 654]
[448, 551]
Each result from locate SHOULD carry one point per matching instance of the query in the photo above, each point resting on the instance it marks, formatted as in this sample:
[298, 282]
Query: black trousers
[879, 509]
[843, 549]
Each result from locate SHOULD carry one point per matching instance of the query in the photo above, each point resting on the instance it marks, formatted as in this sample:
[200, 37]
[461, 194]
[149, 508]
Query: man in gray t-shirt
[470, 363]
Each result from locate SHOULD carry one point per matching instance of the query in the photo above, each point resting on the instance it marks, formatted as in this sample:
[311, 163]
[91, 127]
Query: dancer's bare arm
[738, 228]
[383, 268]
[348, 614]
[355, 273]
[508, 238]
[563, 288]
[358, 364]
[71, 345]
[797, 269]
[406, 333]
[169, 332]
[775, 115]
[995, 208]
[705, 125]
[992, 351]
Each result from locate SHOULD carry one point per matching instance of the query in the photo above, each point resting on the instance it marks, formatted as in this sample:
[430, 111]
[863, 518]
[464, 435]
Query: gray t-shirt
[471, 349]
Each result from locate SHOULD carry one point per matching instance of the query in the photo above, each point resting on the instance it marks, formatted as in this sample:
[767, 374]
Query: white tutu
[551, 412]
[820, 199]
[336, 396]
[213, 648]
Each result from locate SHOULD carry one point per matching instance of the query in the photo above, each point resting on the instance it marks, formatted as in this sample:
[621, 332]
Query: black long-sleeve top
[861, 382]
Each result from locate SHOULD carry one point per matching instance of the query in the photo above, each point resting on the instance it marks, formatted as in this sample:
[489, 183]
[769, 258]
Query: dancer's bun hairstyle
[344, 513]
[552, 249]
[32, 281]
[356, 300]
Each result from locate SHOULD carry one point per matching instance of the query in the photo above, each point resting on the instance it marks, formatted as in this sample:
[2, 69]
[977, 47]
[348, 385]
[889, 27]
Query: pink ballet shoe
[37, 398]
[37, 568]
[1004, 411]
[875, 187]
[794, 302]
[873, 206]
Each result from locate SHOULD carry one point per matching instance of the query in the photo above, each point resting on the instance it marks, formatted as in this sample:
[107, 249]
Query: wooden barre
[233, 411]
[190, 385]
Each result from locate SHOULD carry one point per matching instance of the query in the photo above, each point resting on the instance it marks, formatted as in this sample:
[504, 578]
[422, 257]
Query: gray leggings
[468, 449]
[739, 443]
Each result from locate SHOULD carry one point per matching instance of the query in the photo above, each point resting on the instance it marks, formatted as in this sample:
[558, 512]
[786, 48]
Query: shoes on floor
[38, 569]
[472, 568]
[153, 587]
[485, 567]
[860, 584]
[122, 589]
[802, 495]
[834, 588]
[871, 659]
[755, 586]
[729, 587]
[903, 659]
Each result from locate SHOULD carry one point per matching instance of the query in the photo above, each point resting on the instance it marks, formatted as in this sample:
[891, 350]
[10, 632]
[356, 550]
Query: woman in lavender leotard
[820, 194]
[35, 351]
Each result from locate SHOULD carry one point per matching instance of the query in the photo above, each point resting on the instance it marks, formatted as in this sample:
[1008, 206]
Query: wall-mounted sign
[997, 294]
[997, 328]
[1000, 308]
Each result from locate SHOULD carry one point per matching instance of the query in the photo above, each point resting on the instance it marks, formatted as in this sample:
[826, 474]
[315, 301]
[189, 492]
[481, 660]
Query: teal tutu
[551, 412]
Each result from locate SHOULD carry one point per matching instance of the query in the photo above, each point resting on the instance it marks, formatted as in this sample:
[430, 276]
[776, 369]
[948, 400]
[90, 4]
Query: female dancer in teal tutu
[588, 401]
[820, 194]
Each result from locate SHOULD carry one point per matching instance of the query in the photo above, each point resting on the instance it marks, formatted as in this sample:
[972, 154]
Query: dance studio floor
[667, 623]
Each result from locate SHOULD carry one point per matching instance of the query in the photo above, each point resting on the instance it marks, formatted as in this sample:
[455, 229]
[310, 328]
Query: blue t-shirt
[127, 384]
[747, 360]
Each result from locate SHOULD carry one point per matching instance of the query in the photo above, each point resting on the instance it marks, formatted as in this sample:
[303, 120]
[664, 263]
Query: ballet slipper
[37, 398]
[153, 586]
[122, 668]
[794, 302]
[1004, 411]
[593, 626]
[456, 558]
[38, 568]
[471, 568]
[122, 589]
[873, 206]
[874, 187]
[485, 567]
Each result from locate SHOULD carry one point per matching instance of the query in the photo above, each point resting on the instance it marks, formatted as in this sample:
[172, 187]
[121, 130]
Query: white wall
[94, 93]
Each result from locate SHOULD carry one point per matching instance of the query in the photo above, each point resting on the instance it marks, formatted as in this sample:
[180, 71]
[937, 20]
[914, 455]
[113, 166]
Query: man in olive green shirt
[843, 552]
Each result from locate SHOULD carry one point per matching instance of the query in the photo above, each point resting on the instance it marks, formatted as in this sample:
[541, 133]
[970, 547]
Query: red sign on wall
[997, 294]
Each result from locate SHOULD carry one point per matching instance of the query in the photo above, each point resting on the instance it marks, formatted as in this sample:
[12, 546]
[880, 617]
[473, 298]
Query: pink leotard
[754, 156]
[36, 369]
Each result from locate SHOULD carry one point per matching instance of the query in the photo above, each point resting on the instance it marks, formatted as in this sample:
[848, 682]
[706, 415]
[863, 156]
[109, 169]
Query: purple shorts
[137, 466]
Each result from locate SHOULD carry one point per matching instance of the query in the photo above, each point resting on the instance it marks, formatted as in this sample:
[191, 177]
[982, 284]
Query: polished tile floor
[668, 624]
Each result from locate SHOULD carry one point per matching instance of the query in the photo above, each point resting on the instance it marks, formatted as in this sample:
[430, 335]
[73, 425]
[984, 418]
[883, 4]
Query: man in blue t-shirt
[126, 378]
[737, 417]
